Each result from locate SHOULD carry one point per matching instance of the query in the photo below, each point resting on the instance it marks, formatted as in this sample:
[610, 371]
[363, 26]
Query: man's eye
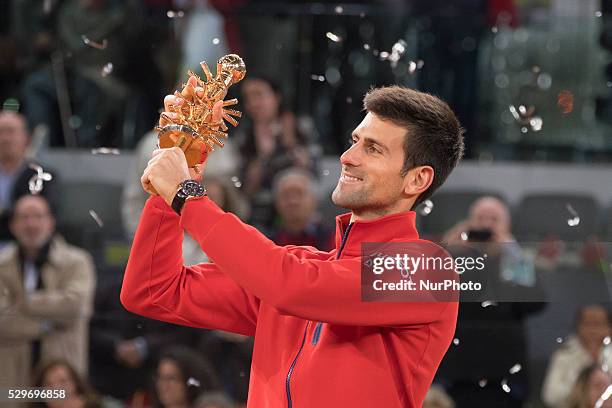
[372, 149]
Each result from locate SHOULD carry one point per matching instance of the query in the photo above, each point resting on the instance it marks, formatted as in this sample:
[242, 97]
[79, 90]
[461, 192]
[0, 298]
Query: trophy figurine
[193, 129]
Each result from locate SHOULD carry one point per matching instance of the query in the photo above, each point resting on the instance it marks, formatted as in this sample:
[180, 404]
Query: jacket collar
[393, 227]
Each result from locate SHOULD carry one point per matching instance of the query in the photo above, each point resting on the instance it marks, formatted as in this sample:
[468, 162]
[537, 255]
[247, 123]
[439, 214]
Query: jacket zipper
[317, 330]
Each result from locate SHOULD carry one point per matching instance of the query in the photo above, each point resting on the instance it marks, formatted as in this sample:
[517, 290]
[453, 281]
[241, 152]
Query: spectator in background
[49, 285]
[58, 374]
[295, 198]
[438, 398]
[273, 140]
[511, 276]
[181, 376]
[582, 349]
[489, 221]
[14, 168]
[589, 388]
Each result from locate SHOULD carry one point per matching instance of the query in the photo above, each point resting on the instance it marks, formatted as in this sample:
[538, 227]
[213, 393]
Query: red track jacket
[316, 343]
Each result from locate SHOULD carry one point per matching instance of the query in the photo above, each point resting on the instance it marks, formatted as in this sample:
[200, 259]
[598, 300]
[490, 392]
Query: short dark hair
[434, 136]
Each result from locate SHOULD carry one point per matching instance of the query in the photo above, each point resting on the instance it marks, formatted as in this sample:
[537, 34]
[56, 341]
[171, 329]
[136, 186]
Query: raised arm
[158, 286]
[314, 289]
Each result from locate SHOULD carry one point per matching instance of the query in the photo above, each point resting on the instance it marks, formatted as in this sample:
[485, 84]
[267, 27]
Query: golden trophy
[193, 129]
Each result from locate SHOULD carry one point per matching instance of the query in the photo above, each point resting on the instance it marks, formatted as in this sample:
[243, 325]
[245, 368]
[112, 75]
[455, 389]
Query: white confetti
[175, 14]
[35, 184]
[494, 29]
[604, 397]
[575, 220]
[559, 340]
[505, 386]
[236, 181]
[425, 208]
[366, 47]
[96, 218]
[339, 9]
[105, 150]
[216, 41]
[483, 382]
[319, 78]
[515, 368]
[107, 69]
[349, 99]
[192, 382]
[326, 172]
[464, 236]
[333, 37]
[536, 123]
[488, 303]
[456, 341]
[598, 14]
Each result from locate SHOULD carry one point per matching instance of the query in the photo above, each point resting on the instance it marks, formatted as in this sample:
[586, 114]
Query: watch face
[191, 188]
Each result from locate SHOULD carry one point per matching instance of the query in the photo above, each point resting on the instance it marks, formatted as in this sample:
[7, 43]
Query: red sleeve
[309, 288]
[158, 286]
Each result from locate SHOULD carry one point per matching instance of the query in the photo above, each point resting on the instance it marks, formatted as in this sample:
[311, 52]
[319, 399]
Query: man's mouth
[347, 178]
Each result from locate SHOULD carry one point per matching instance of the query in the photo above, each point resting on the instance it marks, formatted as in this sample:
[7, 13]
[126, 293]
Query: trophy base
[186, 138]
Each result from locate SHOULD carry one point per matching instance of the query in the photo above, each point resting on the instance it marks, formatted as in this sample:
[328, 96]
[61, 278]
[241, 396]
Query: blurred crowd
[91, 73]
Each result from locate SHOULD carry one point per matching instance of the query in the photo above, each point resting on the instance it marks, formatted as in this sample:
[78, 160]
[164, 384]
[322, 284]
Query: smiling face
[371, 183]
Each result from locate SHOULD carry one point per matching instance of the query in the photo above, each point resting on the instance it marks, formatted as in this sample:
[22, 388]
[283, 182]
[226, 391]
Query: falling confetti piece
[565, 101]
[598, 14]
[483, 382]
[96, 218]
[397, 51]
[425, 208]
[366, 47]
[35, 184]
[464, 236]
[494, 29]
[216, 41]
[236, 181]
[349, 99]
[505, 386]
[326, 172]
[319, 78]
[515, 368]
[339, 9]
[456, 341]
[604, 397]
[97, 45]
[488, 303]
[193, 382]
[333, 37]
[105, 150]
[536, 123]
[559, 340]
[175, 14]
[575, 220]
[107, 69]
[414, 66]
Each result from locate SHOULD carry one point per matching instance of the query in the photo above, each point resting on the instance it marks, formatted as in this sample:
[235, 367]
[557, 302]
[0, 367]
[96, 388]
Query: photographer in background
[508, 276]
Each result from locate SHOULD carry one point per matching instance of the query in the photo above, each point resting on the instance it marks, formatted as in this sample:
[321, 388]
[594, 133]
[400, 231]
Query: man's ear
[418, 179]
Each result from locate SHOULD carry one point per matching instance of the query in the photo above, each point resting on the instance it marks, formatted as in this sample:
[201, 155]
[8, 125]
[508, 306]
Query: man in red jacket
[317, 344]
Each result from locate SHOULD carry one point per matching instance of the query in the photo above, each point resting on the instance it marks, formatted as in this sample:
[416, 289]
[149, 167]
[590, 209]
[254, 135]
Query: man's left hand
[165, 171]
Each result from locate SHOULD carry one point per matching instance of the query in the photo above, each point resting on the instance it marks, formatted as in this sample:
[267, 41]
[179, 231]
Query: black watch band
[188, 188]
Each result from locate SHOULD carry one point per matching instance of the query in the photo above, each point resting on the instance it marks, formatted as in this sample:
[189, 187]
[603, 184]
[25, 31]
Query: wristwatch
[188, 188]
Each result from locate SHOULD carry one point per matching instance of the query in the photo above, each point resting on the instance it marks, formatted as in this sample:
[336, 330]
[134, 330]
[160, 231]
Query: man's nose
[350, 157]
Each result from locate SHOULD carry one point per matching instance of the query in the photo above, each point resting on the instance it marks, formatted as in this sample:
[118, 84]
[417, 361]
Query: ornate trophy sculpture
[193, 130]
